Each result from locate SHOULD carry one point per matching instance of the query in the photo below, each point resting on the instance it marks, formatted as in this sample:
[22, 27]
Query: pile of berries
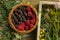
[24, 18]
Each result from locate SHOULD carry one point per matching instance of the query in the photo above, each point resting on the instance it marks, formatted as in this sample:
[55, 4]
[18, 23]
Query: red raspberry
[33, 16]
[23, 24]
[29, 13]
[27, 22]
[28, 9]
[26, 28]
[31, 26]
[20, 27]
[33, 21]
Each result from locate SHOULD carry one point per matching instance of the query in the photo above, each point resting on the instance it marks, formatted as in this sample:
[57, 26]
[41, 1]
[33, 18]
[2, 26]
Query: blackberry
[21, 15]
[28, 18]
[22, 8]
[20, 12]
[16, 14]
[23, 18]
[19, 18]
[15, 23]
[15, 19]
[25, 13]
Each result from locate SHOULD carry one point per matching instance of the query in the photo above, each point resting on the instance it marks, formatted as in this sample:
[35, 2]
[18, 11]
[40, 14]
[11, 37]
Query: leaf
[9, 4]
[17, 2]
[2, 11]
[5, 38]
[1, 18]
[52, 12]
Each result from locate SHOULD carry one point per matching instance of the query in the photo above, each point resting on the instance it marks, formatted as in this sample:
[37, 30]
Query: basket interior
[21, 16]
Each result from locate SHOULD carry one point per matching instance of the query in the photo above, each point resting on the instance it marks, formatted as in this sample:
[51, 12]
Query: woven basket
[13, 26]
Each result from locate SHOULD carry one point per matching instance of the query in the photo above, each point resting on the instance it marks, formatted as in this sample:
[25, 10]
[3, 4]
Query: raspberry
[29, 13]
[27, 22]
[23, 24]
[33, 21]
[33, 16]
[31, 26]
[28, 9]
[26, 28]
[20, 27]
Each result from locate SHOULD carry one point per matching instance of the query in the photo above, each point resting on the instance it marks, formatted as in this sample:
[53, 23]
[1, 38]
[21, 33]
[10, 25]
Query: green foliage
[5, 7]
[51, 21]
[8, 4]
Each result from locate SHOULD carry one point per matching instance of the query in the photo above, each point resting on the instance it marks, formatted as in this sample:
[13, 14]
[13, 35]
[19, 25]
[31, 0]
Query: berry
[31, 26]
[15, 19]
[33, 21]
[33, 16]
[28, 9]
[20, 27]
[28, 18]
[26, 28]
[29, 13]
[23, 18]
[16, 14]
[23, 24]
[27, 22]
[25, 13]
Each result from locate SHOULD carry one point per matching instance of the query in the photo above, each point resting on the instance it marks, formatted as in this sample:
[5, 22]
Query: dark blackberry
[14, 23]
[15, 19]
[22, 8]
[28, 18]
[22, 16]
[19, 18]
[25, 13]
[16, 14]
